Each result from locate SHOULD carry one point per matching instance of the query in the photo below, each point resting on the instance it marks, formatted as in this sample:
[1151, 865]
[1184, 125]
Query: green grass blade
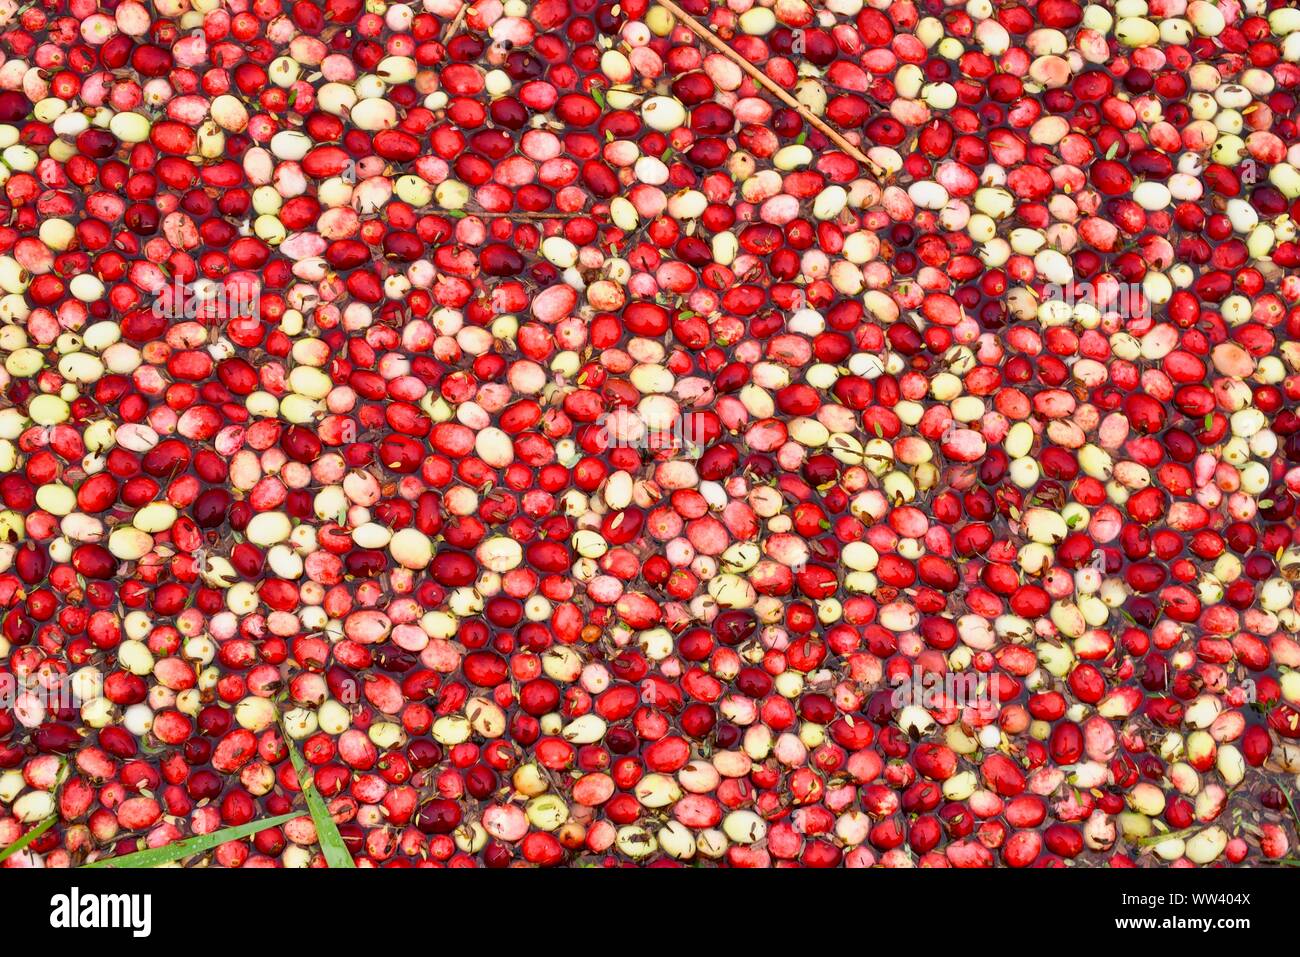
[327, 832]
[1295, 815]
[1160, 837]
[27, 838]
[194, 845]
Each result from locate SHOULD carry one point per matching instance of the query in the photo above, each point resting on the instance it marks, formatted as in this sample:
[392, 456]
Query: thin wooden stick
[456, 23]
[763, 80]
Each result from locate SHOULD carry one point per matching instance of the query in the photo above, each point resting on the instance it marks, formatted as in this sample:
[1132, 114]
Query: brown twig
[763, 80]
[456, 23]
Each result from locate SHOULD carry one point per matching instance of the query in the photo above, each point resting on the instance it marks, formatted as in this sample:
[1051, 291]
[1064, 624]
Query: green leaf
[599, 96]
[1209, 421]
[327, 832]
[27, 838]
[194, 845]
[802, 137]
[456, 213]
[1112, 150]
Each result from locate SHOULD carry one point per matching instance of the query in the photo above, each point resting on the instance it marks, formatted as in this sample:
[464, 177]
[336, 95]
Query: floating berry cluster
[591, 432]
